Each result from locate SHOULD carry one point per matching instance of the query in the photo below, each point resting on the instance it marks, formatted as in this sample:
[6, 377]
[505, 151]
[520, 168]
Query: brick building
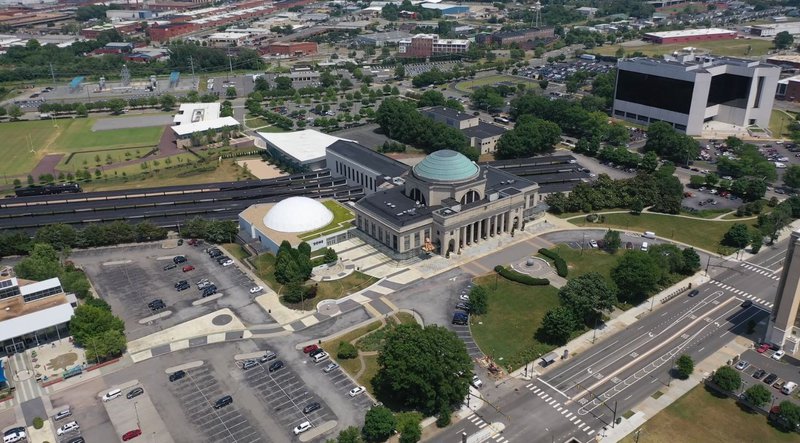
[290, 48]
[427, 45]
[163, 33]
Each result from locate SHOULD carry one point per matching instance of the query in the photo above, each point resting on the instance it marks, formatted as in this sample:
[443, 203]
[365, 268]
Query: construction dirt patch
[261, 169]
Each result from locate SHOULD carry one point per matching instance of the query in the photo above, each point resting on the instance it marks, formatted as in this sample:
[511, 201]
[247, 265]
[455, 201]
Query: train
[61, 188]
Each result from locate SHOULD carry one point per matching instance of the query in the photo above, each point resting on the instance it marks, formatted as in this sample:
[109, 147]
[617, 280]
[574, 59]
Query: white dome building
[297, 214]
[320, 223]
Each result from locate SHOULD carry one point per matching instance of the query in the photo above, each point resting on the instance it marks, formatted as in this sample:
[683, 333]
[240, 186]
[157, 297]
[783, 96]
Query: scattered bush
[520, 278]
[346, 351]
[561, 264]
[38, 422]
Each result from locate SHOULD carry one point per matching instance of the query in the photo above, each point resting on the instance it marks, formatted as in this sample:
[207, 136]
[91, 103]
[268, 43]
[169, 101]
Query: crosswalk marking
[482, 425]
[742, 293]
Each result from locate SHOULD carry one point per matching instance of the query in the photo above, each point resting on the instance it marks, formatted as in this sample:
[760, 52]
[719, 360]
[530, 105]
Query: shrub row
[561, 264]
[520, 278]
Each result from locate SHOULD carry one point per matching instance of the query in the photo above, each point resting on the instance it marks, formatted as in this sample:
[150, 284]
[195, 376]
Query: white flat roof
[35, 321]
[39, 286]
[219, 123]
[691, 32]
[304, 146]
[196, 112]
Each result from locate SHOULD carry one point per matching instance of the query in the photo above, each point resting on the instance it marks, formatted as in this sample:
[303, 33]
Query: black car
[222, 259]
[694, 292]
[211, 290]
[222, 402]
[747, 303]
[179, 259]
[77, 440]
[460, 318]
[182, 287]
[771, 379]
[157, 304]
[181, 283]
[275, 366]
[135, 392]
[759, 374]
[311, 407]
[170, 266]
[177, 375]
[316, 352]
[463, 306]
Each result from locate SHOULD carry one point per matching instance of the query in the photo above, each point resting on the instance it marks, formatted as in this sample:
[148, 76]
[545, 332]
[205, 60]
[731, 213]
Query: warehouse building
[689, 36]
[305, 150]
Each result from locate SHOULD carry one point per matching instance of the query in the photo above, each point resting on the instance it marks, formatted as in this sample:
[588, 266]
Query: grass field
[779, 123]
[700, 417]
[341, 217]
[224, 172]
[70, 135]
[700, 233]
[515, 313]
[733, 48]
[592, 260]
[468, 85]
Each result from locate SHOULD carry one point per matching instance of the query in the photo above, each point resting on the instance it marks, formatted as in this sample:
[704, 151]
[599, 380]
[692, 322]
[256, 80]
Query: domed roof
[297, 214]
[446, 166]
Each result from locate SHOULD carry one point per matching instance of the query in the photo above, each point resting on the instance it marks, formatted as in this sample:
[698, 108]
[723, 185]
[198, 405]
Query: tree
[400, 72]
[773, 223]
[543, 83]
[737, 236]
[684, 366]
[230, 92]
[416, 368]
[557, 326]
[15, 112]
[97, 330]
[167, 102]
[346, 351]
[791, 176]
[379, 424]
[586, 295]
[116, 106]
[727, 378]
[783, 40]
[757, 395]
[756, 241]
[649, 162]
[349, 435]
[478, 300]
[612, 241]
[330, 256]
[696, 181]
[408, 424]
[529, 137]
[81, 110]
[431, 98]
[671, 144]
[636, 275]
[691, 261]
[789, 415]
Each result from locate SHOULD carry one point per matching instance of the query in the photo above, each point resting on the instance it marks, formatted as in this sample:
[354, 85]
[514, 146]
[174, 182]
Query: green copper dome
[446, 166]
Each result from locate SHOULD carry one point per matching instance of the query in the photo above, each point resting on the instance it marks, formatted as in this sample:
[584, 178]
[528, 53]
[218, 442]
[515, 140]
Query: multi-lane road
[577, 398]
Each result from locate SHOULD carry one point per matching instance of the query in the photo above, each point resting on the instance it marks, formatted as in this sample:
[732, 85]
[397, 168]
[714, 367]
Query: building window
[680, 127]
[359, 221]
[9, 292]
[42, 294]
[416, 239]
[619, 113]
[406, 242]
[759, 89]
[394, 242]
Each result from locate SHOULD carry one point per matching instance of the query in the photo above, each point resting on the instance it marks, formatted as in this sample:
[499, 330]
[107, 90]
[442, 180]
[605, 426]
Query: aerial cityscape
[398, 221]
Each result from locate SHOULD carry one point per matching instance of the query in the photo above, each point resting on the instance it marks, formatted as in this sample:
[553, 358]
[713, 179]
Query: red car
[310, 348]
[192, 242]
[130, 435]
[188, 268]
[763, 348]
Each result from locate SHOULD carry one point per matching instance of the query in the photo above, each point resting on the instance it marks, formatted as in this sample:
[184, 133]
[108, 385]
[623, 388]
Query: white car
[227, 263]
[476, 382]
[112, 394]
[778, 354]
[357, 390]
[256, 289]
[67, 428]
[302, 427]
[463, 297]
[330, 367]
[592, 243]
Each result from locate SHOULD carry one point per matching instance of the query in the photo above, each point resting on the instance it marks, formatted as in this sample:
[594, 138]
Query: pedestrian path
[744, 294]
[25, 385]
[759, 270]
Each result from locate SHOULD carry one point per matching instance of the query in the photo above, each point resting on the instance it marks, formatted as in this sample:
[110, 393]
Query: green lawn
[341, 218]
[515, 313]
[236, 250]
[700, 233]
[370, 370]
[702, 417]
[591, 260]
[70, 135]
[468, 85]
[779, 123]
[732, 48]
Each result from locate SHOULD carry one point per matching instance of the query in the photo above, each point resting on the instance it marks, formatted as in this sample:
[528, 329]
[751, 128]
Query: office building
[429, 45]
[689, 36]
[482, 136]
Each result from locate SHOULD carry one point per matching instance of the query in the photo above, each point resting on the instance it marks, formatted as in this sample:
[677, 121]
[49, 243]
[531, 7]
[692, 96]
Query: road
[578, 398]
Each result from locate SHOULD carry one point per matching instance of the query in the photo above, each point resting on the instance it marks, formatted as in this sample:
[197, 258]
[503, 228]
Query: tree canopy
[96, 329]
[587, 295]
[557, 326]
[727, 378]
[530, 137]
[417, 368]
[379, 424]
[636, 274]
[670, 144]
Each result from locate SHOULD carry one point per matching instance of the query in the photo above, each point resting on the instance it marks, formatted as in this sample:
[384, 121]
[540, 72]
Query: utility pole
[191, 63]
[52, 74]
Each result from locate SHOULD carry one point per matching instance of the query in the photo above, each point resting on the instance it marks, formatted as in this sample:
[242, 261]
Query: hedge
[520, 278]
[561, 264]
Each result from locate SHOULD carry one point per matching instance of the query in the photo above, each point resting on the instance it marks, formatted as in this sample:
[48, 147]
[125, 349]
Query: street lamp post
[136, 408]
[594, 334]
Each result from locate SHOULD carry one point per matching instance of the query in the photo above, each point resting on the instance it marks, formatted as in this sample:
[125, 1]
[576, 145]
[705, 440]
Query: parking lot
[132, 277]
[87, 409]
[284, 396]
[783, 370]
[462, 331]
[197, 392]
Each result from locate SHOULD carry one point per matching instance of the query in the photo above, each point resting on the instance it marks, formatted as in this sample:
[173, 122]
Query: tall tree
[727, 378]
[478, 300]
[587, 295]
[636, 275]
[557, 325]
[684, 366]
[417, 367]
[737, 236]
[783, 40]
[612, 241]
[758, 395]
[379, 424]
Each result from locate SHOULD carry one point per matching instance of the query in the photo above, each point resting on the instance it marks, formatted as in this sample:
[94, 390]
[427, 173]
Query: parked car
[762, 348]
[135, 392]
[67, 428]
[275, 366]
[170, 266]
[77, 440]
[315, 352]
[182, 287]
[112, 394]
[302, 427]
[311, 407]
[759, 374]
[592, 243]
[742, 365]
[179, 259]
[188, 268]
[130, 435]
[60, 415]
[460, 318]
[256, 289]
[464, 306]
[181, 283]
[747, 303]
[177, 375]
[463, 297]
[268, 356]
[330, 367]
[249, 364]
[771, 379]
[356, 391]
[476, 381]
[222, 402]
[308, 349]
[156, 304]
[227, 263]
[778, 355]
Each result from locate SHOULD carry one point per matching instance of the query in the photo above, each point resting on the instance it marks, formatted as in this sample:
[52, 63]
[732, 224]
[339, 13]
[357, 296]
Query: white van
[110, 395]
[321, 356]
[789, 387]
[644, 246]
[649, 234]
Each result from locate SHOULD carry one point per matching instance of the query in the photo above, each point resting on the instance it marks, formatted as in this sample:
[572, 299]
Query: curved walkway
[717, 218]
